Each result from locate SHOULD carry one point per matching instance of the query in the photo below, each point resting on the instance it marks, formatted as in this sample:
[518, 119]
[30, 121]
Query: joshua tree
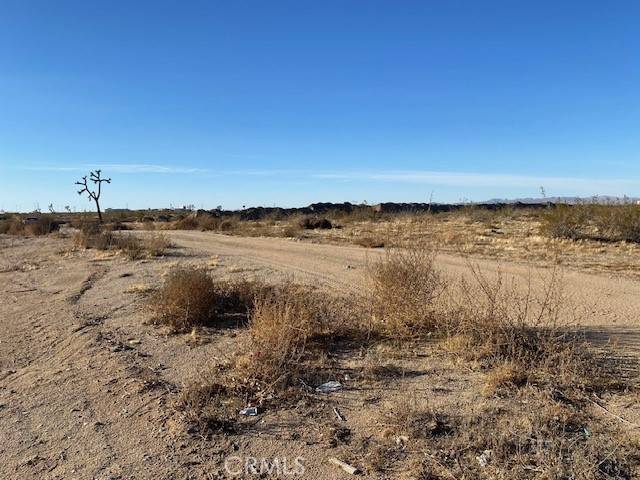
[93, 195]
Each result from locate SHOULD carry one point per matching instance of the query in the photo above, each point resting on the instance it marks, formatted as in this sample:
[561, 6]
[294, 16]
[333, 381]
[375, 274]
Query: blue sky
[260, 103]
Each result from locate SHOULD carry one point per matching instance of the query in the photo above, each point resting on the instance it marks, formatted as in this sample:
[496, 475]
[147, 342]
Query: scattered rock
[484, 459]
[329, 387]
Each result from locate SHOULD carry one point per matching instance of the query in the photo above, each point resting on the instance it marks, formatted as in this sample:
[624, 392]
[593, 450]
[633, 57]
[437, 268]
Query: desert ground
[89, 384]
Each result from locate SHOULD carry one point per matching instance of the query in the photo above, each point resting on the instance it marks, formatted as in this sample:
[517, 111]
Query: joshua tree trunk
[99, 212]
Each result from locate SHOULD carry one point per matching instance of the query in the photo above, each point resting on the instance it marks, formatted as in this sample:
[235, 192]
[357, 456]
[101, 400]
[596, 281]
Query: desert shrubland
[530, 374]
[93, 236]
[614, 222]
[42, 224]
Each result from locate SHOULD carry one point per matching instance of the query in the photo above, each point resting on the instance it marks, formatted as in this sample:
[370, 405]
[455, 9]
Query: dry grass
[15, 225]
[156, 245]
[535, 434]
[411, 416]
[281, 325]
[522, 329]
[91, 236]
[209, 408]
[505, 378]
[525, 329]
[548, 438]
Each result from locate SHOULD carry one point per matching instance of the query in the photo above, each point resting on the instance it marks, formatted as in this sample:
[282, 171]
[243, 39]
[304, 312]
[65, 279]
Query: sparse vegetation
[483, 320]
[36, 225]
[92, 236]
[593, 221]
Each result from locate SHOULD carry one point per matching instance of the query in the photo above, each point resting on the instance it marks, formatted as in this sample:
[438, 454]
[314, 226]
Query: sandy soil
[86, 387]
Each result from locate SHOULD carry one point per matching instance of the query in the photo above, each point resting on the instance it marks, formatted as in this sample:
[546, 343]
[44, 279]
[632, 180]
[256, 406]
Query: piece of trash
[402, 440]
[329, 387]
[250, 411]
[350, 469]
[484, 459]
[338, 414]
[586, 432]
[135, 341]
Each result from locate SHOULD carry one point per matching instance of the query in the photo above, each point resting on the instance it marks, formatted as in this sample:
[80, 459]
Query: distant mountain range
[603, 199]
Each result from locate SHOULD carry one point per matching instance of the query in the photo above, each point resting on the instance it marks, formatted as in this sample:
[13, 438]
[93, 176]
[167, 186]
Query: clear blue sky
[291, 102]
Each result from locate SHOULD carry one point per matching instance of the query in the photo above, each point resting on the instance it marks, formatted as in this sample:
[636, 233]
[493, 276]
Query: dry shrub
[503, 379]
[291, 230]
[209, 408]
[98, 240]
[281, 324]
[314, 223]
[156, 244]
[43, 225]
[190, 298]
[12, 226]
[131, 246]
[187, 298]
[206, 223]
[486, 320]
[404, 291]
[369, 241]
[412, 417]
[564, 221]
[229, 224]
[282, 348]
[621, 222]
[615, 222]
[496, 323]
[92, 237]
[238, 296]
[291, 329]
[187, 223]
